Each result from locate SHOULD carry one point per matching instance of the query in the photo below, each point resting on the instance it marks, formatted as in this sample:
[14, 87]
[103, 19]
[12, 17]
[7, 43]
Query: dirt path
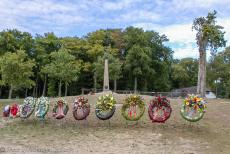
[210, 135]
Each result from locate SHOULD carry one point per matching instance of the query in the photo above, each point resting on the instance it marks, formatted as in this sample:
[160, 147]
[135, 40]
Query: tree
[209, 35]
[184, 73]
[161, 61]
[138, 63]
[16, 70]
[13, 40]
[218, 72]
[44, 45]
[63, 67]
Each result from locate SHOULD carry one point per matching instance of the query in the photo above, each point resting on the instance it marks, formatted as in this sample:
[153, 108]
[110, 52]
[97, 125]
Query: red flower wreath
[162, 105]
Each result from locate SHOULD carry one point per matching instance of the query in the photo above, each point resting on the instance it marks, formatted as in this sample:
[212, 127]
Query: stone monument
[106, 76]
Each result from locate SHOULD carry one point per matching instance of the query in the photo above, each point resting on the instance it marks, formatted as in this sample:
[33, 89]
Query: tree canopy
[138, 60]
[16, 70]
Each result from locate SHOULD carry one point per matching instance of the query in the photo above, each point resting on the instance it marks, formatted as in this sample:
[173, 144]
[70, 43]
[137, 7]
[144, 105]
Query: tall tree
[209, 35]
[63, 67]
[16, 70]
[138, 63]
[44, 45]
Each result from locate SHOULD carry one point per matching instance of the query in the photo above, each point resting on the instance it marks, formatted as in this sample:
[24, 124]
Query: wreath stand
[133, 109]
[106, 117]
[159, 110]
[81, 110]
[193, 109]
[60, 110]
[83, 122]
[27, 109]
[41, 109]
[132, 114]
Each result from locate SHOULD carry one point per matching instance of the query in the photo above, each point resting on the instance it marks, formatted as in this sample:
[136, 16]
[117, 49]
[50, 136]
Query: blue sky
[78, 17]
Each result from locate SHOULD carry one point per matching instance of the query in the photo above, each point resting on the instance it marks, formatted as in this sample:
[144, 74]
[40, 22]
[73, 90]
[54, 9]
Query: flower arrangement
[130, 106]
[27, 108]
[105, 107]
[81, 108]
[159, 109]
[6, 111]
[14, 110]
[105, 102]
[195, 102]
[60, 109]
[42, 107]
[11, 111]
[193, 108]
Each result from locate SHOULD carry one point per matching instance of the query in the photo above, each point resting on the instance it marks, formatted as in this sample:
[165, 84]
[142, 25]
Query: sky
[78, 17]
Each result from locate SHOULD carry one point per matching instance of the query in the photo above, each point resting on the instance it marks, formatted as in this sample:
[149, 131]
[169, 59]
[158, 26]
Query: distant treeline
[56, 66]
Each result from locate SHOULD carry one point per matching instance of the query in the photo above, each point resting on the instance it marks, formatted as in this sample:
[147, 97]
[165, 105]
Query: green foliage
[51, 87]
[184, 73]
[218, 72]
[209, 35]
[138, 61]
[62, 67]
[13, 40]
[16, 70]
[132, 53]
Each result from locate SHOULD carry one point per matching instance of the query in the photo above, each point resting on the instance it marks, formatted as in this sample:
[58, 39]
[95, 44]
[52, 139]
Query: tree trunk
[59, 89]
[66, 88]
[34, 91]
[145, 86]
[115, 85]
[26, 92]
[135, 85]
[44, 86]
[10, 92]
[36, 87]
[95, 82]
[0, 91]
[201, 85]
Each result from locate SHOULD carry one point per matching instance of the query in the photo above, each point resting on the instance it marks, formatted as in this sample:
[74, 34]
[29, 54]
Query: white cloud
[181, 37]
[139, 15]
[38, 16]
[226, 24]
[118, 5]
[188, 51]
[181, 34]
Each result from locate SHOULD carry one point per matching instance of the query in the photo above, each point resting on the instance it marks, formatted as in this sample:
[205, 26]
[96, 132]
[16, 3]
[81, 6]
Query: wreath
[133, 108]
[6, 111]
[42, 107]
[27, 108]
[193, 108]
[105, 107]
[81, 108]
[60, 108]
[159, 109]
[14, 110]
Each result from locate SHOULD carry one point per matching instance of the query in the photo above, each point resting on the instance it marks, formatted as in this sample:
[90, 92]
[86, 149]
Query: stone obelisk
[106, 76]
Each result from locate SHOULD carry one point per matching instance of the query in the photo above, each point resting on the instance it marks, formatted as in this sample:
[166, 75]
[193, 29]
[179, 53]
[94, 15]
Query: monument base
[106, 92]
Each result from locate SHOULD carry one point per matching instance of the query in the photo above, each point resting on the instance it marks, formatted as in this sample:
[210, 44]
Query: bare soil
[209, 135]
